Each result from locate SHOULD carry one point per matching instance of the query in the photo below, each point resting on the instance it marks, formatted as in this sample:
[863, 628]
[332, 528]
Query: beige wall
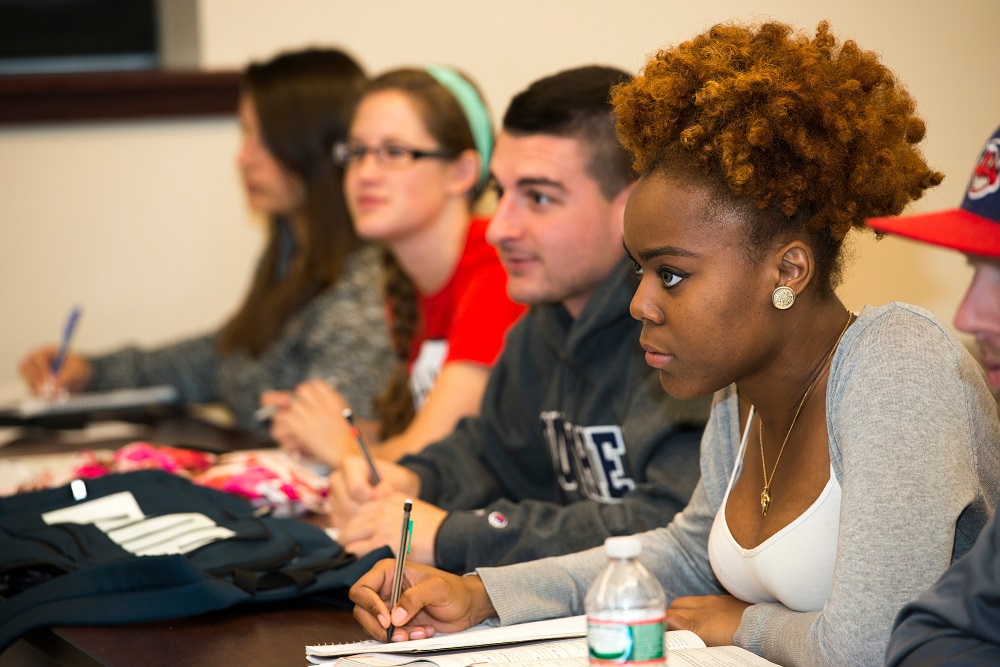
[143, 223]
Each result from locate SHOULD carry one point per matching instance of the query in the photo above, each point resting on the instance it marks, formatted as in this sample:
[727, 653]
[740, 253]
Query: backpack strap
[300, 576]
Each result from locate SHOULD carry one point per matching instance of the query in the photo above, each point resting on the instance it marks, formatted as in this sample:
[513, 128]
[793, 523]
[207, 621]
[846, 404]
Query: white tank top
[794, 566]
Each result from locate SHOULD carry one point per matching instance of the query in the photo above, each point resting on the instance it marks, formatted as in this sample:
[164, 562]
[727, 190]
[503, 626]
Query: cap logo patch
[986, 176]
[497, 520]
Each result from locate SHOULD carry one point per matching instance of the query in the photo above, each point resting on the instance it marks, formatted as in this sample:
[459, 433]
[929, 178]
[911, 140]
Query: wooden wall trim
[40, 98]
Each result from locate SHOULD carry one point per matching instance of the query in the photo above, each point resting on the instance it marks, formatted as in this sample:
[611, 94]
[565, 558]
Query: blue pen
[60, 358]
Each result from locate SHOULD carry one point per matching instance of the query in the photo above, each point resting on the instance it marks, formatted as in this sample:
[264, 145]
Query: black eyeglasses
[390, 156]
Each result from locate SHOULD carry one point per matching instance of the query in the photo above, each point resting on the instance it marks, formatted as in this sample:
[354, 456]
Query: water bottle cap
[625, 546]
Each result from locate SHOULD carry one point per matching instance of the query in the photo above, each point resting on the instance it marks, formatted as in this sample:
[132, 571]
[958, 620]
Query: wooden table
[272, 636]
[275, 636]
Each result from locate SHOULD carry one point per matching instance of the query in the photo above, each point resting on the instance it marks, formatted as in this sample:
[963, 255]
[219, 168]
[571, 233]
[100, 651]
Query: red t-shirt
[467, 319]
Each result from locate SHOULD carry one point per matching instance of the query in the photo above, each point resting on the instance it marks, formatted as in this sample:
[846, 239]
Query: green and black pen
[404, 548]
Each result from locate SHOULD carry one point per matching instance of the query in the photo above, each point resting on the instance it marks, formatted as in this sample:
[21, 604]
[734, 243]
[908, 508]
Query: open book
[524, 645]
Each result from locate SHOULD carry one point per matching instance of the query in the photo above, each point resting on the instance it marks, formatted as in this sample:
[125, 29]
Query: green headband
[475, 113]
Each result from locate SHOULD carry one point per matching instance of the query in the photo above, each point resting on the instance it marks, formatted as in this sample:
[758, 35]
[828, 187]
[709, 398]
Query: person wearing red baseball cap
[974, 229]
[957, 622]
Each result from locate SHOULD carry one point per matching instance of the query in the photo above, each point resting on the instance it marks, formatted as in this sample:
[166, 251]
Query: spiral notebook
[477, 637]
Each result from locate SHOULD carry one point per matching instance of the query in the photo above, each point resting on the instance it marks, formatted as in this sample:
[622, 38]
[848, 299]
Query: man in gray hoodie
[576, 440]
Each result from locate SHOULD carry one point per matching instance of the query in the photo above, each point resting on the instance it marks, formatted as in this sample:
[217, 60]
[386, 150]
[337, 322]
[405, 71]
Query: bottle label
[625, 643]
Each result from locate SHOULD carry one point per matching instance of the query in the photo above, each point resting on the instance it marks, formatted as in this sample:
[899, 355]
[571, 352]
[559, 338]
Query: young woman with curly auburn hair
[849, 458]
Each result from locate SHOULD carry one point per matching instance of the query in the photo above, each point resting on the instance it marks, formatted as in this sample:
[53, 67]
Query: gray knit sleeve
[341, 333]
[906, 411]
[188, 365]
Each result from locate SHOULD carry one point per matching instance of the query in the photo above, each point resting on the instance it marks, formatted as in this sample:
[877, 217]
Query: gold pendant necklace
[765, 495]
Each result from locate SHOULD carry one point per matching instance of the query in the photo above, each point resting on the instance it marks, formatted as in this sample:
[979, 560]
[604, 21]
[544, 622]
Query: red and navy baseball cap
[974, 228]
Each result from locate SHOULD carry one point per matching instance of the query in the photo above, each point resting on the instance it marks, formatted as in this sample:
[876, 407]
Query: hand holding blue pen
[67, 336]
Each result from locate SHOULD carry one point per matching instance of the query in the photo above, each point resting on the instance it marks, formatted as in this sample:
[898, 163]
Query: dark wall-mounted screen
[77, 35]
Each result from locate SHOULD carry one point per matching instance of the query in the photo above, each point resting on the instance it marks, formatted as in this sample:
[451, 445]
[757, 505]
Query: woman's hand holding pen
[311, 421]
[50, 371]
[377, 522]
[351, 487]
[36, 369]
[432, 601]
[276, 400]
[271, 403]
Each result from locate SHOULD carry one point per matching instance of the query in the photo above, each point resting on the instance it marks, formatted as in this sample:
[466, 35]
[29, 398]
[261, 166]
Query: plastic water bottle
[626, 610]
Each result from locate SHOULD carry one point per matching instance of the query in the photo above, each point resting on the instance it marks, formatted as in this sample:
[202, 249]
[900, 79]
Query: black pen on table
[373, 475]
[404, 548]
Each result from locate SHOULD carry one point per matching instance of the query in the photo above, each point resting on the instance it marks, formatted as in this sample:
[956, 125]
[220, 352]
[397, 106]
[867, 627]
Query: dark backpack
[77, 574]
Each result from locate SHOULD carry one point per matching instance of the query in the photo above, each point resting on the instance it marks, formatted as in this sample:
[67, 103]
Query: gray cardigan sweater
[341, 332]
[913, 437]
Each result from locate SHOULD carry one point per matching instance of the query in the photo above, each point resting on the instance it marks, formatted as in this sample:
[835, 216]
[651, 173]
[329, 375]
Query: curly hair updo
[813, 136]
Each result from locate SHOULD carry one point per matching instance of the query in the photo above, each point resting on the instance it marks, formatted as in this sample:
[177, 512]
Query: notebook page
[557, 628]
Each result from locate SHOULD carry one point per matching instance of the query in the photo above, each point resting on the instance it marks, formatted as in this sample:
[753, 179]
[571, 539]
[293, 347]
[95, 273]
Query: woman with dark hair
[416, 159]
[313, 308]
[849, 457]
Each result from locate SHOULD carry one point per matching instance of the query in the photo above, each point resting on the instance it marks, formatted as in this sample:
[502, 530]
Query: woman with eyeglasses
[313, 308]
[416, 159]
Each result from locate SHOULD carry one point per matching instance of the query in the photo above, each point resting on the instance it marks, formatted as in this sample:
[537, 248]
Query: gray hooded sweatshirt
[576, 441]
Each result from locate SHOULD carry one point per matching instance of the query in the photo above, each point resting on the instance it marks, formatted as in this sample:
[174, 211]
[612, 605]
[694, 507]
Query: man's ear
[618, 205]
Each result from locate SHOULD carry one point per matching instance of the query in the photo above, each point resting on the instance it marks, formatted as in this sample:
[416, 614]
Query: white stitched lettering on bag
[169, 534]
